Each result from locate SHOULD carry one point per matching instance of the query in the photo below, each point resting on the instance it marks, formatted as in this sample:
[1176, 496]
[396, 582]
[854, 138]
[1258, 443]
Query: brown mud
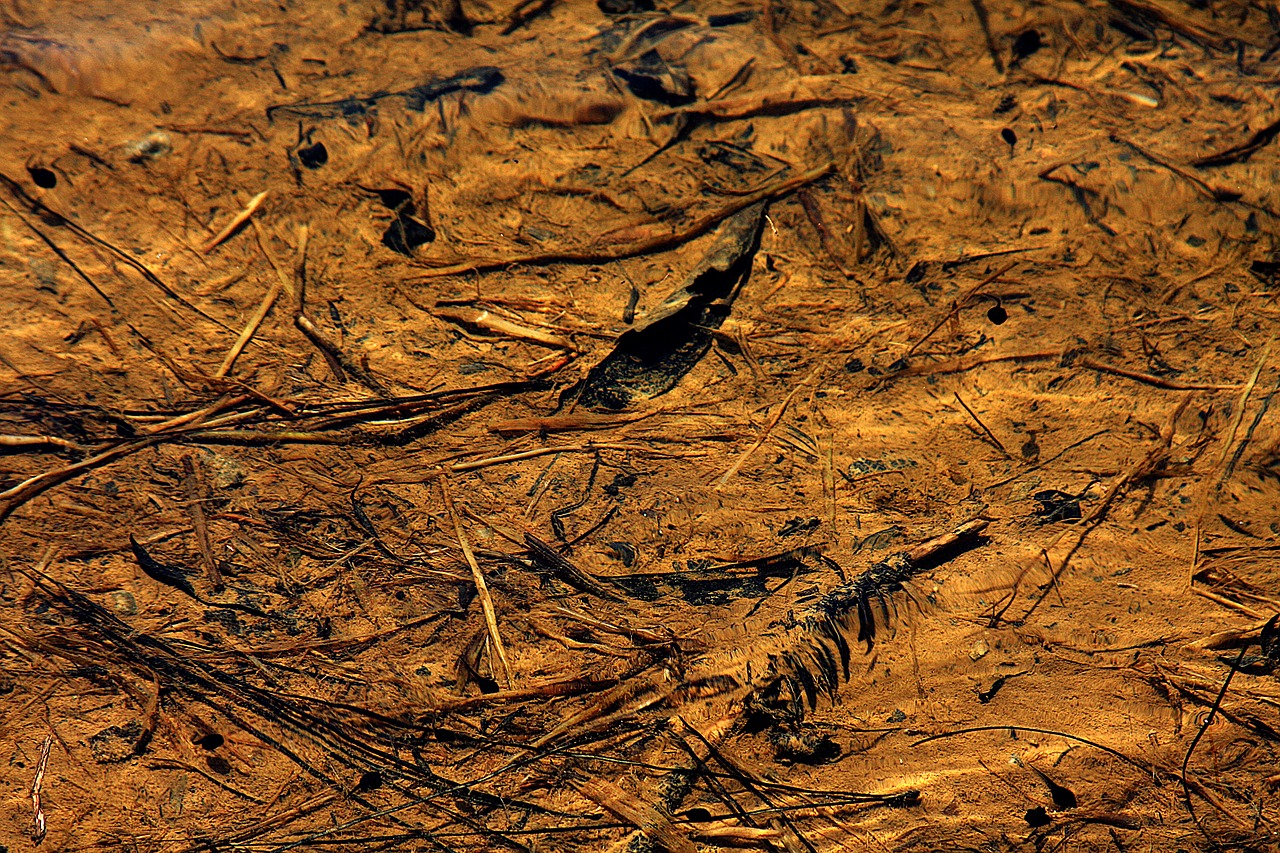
[571, 426]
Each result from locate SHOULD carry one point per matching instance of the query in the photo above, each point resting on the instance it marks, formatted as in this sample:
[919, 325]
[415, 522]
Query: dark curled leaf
[1063, 798]
[167, 575]
[670, 339]
[1271, 640]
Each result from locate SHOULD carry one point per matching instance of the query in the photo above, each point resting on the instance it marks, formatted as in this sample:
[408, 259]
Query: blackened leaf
[1027, 43]
[624, 551]
[624, 7]
[211, 741]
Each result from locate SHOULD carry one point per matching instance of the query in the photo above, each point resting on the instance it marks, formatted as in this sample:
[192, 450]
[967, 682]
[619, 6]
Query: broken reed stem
[984, 21]
[1224, 467]
[29, 488]
[339, 362]
[482, 588]
[814, 212]
[967, 363]
[198, 416]
[12, 498]
[37, 441]
[1228, 603]
[490, 322]
[38, 825]
[286, 282]
[236, 222]
[636, 812]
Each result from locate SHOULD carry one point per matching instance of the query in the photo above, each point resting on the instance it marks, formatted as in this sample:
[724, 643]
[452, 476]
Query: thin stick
[47, 213]
[250, 330]
[20, 441]
[29, 488]
[286, 281]
[984, 21]
[1186, 759]
[459, 467]
[1212, 193]
[959, 306]
[1228, 603]
[57, 250]
[770, 26]
[12, 498]
[979, 422]
[645, 246]
[811, 209]
[1148, 379]
[198, 416]
[236, 223]
[966, 363]
[1014, 729]
[1143, 468]
[764, 435]
[482, 588]
[339, 362]
[638, 813]
[491, 322]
